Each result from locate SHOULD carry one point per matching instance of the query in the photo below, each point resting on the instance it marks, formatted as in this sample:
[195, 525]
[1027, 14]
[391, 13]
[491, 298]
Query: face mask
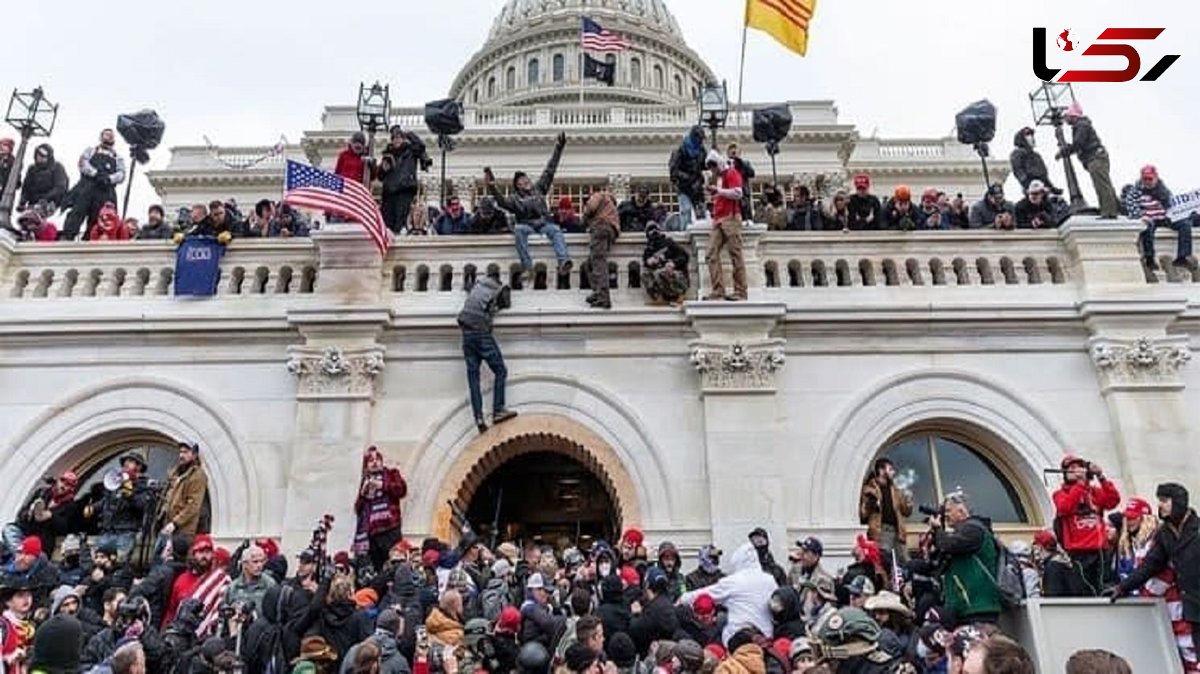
[605, 569]
[922, 650]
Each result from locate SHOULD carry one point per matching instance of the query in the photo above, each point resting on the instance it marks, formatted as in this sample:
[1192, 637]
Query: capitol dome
[532, 55]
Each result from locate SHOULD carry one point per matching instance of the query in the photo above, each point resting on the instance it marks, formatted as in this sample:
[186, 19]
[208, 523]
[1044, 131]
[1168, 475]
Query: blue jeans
[481, 347]
[688, 210]
[1183, 228]
[551, 231]
[123, 541]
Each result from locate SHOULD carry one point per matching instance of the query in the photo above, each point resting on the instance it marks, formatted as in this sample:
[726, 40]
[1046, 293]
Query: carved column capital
[335, 373]
[464, 189]
[619, 185]
[1141, 363]
[738, 367]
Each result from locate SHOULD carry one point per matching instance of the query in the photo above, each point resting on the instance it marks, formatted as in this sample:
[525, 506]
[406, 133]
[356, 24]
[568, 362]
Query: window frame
[533, 72]
[986, 447]
[558, 68]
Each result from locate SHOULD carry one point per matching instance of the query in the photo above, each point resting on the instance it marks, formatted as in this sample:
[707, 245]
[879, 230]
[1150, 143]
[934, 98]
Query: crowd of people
[78, 597]
[698, 175]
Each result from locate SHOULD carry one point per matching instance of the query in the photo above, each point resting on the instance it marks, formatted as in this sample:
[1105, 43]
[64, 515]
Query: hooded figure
[745, 593]
[57, 646]
[687, 174]
[1027, 164]
[786, 615]
[1094, 157]
[45, 181]
[398, 172]
[1176, 545]
[708, 570]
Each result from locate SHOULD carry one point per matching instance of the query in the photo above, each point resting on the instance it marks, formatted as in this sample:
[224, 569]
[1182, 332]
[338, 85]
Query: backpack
[1009, 580]
[492, 602]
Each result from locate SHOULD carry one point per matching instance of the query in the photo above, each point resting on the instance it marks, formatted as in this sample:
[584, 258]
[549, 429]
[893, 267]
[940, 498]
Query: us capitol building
[974, 359]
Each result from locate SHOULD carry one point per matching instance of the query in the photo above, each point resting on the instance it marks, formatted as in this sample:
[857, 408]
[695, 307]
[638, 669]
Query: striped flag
[596, 38]
[784, 20]
[310, 187]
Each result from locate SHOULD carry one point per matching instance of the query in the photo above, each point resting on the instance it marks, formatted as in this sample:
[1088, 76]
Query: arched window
[475, 95]
[635, 72]
[491, 87]
[534, 73]
[560, 67]
[678, 85]
[934, 464]
[659, 83]
[510, 79]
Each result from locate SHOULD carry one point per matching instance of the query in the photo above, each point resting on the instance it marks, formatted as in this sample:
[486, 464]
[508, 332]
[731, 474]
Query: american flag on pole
[596, 38]
[310, 187]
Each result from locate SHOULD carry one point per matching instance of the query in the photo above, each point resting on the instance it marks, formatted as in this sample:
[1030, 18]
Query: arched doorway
[543, 496]
[567, 464]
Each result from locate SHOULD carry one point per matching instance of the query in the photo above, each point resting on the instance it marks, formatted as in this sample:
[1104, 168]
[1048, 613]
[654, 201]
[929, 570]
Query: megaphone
[114, 478]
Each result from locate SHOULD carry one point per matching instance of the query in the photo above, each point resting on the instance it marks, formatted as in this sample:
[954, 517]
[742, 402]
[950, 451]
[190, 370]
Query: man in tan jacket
[179, 507]
[884, 507]
[603, 225]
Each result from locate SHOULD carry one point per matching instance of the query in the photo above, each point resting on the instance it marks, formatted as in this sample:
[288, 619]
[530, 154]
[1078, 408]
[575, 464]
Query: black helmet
[533, 658]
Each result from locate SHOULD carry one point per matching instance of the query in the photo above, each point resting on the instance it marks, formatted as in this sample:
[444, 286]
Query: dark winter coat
[788, 620]
[122, 512]
[1084, 142]
[1049, 214]
[538, 624]
[613, 612]
[157, 585]
[909, 220]
[635, 216]
[391, 661]
[861, 209]
[700, 578]
[263, 640]
[657, 622]
[101, 647]
[984, 213]
[968, 589]
[687, 165]
[1179, 546]
[341, 625]
[45, 182]
[1027, 164]
[486, 299]
[42, 578]
[398, 166]
[530, 207]
[6, 168]
[668, 250]
[93, 597]
[805, 217]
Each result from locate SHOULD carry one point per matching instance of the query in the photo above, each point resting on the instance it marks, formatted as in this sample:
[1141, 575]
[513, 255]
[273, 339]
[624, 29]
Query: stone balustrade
[787, 266]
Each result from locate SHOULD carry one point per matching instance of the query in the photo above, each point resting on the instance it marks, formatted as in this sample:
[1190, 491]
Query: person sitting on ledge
[639, 212]
[528, 204]
[1039, 209]
[489, 219]
[566, 217]
[665, 265]
[992, 211]
[1148, 200]
[454, 220]
[287, 223]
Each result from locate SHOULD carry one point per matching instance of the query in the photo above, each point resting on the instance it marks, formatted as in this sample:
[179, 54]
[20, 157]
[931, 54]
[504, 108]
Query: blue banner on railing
[198, 267]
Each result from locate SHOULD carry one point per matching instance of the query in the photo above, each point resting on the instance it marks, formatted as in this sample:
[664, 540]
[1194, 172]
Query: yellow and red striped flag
[784, 20]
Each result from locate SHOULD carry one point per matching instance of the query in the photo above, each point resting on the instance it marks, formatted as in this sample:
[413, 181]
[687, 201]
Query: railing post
[700, 236]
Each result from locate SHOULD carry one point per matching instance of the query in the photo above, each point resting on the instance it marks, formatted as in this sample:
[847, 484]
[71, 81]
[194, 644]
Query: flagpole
[582, 56]
[742, 69]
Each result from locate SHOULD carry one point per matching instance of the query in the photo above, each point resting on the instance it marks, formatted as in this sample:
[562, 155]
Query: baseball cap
[501, 568]
[811, 544]
[861, 586]
[307, 556]
[704, 604]
[535, 582]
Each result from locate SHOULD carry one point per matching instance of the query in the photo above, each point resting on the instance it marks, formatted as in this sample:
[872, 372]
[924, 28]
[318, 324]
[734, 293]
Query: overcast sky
[246, 72]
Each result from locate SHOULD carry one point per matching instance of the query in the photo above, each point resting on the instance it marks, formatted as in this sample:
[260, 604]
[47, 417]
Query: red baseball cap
[509, 621]
[704, 605]
[1137, 509]
[630, 577]
[633, 537]
[32, 546]
[1045, 539]
[202, 542]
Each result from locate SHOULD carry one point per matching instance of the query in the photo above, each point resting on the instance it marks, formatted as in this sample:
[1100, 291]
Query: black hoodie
[786, 613]
[1027, 164]
[1176, 543]
[263, 641]
[44, 182]
[156, 587]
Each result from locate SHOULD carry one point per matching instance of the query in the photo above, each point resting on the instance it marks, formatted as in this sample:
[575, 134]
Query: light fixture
[31, 115]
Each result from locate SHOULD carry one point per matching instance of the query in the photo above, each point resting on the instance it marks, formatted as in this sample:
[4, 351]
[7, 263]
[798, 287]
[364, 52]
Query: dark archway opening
[546, 497]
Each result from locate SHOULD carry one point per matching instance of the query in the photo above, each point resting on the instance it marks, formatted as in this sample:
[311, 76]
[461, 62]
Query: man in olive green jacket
[969, 583]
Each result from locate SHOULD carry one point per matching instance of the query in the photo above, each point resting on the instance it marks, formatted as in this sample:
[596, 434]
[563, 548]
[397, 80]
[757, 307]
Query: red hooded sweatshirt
[1080, 509]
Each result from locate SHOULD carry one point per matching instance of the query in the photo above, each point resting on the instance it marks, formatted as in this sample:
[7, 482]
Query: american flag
[596, 38]
[310, 187]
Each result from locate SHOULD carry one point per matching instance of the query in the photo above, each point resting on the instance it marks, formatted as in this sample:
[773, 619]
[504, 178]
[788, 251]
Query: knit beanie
[57, 646]
[621, 650]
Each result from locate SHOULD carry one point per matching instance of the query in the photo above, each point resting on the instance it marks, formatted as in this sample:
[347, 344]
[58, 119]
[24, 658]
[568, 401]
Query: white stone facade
[703, 421]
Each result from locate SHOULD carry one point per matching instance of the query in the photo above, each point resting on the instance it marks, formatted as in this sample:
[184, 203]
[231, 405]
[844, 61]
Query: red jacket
[350, 165]
[383, 507]
[1080, 509]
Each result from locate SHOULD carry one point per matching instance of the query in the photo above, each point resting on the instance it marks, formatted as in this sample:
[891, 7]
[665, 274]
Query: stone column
[700, 236]
[336, 366]
[737, 361]
[1138, 365]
